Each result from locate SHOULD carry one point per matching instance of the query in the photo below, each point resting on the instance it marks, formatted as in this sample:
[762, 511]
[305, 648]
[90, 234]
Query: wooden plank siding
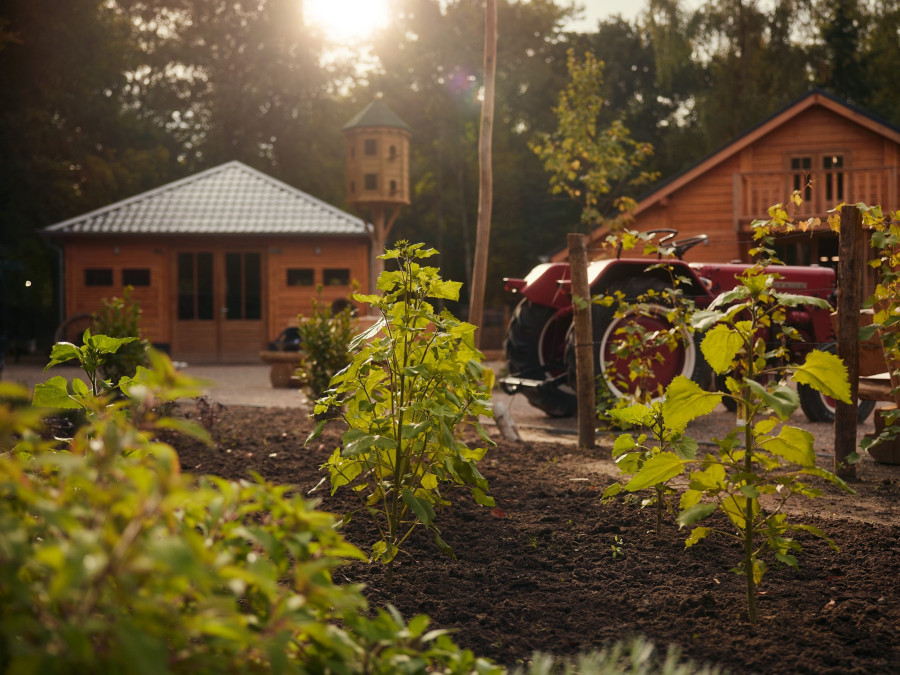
[85, 254]
[216, 339]
[317, 254]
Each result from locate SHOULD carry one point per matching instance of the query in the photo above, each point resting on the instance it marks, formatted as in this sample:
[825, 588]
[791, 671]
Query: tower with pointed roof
[377, 143]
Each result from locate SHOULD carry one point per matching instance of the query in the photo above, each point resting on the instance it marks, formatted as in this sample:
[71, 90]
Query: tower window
[371, 181]
[370, 146]
[393, 186]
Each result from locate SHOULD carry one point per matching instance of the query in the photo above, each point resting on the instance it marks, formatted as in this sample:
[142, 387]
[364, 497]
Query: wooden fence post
[849, 300]
[584, 340]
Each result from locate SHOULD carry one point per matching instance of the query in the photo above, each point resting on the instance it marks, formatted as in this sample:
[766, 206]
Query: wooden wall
[233, 340]
[707, 204]
[319, 254]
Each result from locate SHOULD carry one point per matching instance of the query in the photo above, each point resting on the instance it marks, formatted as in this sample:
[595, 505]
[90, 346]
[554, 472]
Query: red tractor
[539, 345]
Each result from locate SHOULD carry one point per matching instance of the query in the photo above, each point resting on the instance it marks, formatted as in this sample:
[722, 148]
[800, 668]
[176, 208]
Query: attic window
[370, 146]
[98, 276]
[371, 181]
[136, 277]
[336, 277]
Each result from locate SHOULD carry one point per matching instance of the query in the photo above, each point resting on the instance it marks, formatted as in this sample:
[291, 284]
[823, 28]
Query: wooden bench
[283, 370]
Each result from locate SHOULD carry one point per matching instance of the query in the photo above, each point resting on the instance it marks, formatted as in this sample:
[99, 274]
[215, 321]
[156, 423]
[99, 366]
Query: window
[136, 277]
[352, 151]
[370, 146]
[834, 177]
[301, 276]
[392, 152]
[802, 167]
[195, 286]
[352, 187]
[98, 277]
[371, 181]
[243, 287]
[393, 187]
[336, 277]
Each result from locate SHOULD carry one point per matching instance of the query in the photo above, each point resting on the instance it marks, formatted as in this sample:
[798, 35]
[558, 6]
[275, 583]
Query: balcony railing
[756, 191]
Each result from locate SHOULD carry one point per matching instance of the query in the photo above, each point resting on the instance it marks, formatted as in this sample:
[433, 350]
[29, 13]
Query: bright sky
[346, 21]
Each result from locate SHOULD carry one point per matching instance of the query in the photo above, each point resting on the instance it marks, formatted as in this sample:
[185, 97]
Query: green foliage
[637, 656]
[121, 318]
[586, 162]
[325, 338]
[885, 303]
[92, 356]
[762, 457]
[411, 386]
[112, 560]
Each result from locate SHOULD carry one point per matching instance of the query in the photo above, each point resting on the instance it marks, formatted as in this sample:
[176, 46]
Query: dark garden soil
[538, 573]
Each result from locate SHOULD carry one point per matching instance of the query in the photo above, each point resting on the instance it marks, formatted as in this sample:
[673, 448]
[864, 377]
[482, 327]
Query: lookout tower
[378, 168]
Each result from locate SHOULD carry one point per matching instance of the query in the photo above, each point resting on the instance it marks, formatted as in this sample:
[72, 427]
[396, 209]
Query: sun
[346, 21]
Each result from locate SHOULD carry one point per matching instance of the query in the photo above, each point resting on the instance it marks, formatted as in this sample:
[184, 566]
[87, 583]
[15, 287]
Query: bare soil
[540, 573]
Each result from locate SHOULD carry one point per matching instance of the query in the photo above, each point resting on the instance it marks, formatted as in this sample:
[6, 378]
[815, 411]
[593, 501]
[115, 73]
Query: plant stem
[748, 521]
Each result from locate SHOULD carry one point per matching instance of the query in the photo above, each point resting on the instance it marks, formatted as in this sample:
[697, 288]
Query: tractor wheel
[534, 346]
[820, 408]
[685, 359]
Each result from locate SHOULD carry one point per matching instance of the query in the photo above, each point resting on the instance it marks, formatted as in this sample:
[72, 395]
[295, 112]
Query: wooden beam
[584, 340]
[850, 268]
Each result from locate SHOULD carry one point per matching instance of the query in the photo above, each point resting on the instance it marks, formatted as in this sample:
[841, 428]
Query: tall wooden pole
[850, 279]
[584, 340]
[486, 182]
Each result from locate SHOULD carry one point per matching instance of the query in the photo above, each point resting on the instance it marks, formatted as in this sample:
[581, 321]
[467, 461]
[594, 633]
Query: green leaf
[633, 414]
[696, 513]
[62, 352]
[720, 346]
[686, 448]
[685, 401]
[656, 470]
[422, 509]
[624, 443]
[825, 372]
[613, 490]
[783, 400]
[697, 534]
[710, 478]
[481, 498]
[792, 444]
[787, 559]
[54, 394]
[429, 481]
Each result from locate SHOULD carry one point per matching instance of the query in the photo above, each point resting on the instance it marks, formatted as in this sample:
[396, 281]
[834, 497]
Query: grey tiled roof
[376, 114]
[227, 199]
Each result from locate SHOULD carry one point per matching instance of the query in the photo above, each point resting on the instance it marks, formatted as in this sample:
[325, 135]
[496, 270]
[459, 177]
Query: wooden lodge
[827, 149]
[221, 262]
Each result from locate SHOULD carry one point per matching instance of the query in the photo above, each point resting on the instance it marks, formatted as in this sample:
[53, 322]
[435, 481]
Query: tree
[590, 163]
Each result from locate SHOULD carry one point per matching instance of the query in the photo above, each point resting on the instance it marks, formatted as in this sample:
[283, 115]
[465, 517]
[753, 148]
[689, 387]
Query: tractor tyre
[684, 360]
[820, 408]
[534, 347]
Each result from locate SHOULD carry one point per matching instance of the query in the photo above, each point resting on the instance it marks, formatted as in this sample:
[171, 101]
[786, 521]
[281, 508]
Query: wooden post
[850, 268]
[486, 184]
[584, 341]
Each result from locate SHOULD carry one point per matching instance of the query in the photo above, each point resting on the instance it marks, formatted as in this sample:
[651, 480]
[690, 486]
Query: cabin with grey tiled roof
[221, 262]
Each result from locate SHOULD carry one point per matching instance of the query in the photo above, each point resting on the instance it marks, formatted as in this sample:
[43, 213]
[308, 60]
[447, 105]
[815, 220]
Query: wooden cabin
[827, 149]
[221, 262]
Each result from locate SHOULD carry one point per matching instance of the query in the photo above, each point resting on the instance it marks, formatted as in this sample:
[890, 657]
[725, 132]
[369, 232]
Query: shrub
[120, 318]
[112, 560]
[325, 337]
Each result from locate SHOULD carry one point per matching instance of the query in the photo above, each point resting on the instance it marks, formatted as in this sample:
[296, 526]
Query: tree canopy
[104, 99]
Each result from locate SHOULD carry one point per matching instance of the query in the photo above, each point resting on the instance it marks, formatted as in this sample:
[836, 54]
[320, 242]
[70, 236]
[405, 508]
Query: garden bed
[553, 569]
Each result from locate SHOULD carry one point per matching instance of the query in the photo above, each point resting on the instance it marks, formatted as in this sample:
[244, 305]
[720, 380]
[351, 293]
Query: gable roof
[376, 114]
[228, 199]
[816, 97]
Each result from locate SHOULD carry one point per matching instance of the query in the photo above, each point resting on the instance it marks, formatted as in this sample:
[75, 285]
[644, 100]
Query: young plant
[113, 560]
[885, 302]
[325, 337]
[92, 356]
[411, 385]
[120, 318]
[762, 457]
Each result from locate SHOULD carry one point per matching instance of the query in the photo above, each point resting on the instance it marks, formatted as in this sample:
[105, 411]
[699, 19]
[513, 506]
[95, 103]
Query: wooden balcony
[756, 191]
